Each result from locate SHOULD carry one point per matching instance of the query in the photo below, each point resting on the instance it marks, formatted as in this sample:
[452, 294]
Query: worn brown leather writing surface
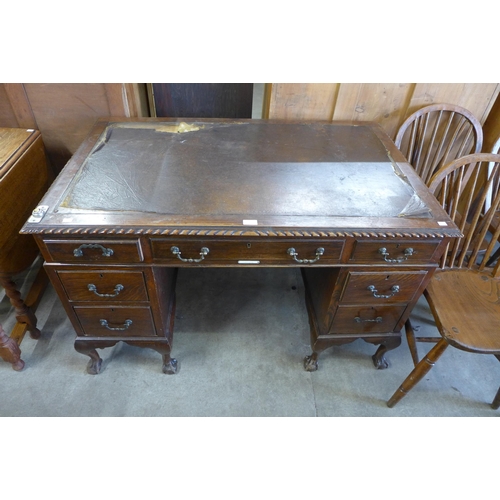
[245, 169]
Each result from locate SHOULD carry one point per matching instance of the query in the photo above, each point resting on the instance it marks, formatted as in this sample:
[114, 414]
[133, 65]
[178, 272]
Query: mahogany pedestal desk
[24, 178]
[142, 198]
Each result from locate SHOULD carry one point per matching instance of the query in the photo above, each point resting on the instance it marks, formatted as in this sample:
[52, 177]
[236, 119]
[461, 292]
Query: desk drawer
[85, 251]
[116, 321]
[104, 286]
[382, 287]
[394, 252]
[366, 319]
[238, 252]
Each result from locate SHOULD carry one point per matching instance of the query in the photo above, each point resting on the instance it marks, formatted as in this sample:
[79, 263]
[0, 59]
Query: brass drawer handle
[117, 290]
[319, 252]
[408, 251]
[78, 252]
[394, 290]
[204, 251]
[376, 320]
[127, 323]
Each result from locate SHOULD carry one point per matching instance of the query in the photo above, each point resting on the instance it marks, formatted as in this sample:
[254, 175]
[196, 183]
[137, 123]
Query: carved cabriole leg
[311, 362]
[388, 345]
[95, 362]
[170, 365]
[418, 372]
[9, 351]
[317, 346]
[23, 313]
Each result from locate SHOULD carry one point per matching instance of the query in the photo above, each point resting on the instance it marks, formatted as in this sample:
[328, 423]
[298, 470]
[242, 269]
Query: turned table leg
[24, 314]
[9, 351]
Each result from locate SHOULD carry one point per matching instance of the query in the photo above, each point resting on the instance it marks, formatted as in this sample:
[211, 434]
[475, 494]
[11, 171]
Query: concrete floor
[240, 338]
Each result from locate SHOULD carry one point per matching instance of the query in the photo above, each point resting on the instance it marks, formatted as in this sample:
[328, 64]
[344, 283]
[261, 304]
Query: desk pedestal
[123, 289]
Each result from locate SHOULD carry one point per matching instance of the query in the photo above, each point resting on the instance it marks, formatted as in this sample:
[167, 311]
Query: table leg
[311, 362]
[170, 365]
[24, 314]
[387, 345]
[9, 351]
[95, 362]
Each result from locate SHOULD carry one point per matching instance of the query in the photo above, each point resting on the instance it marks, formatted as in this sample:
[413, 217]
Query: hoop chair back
[437, 134]
[468, 190]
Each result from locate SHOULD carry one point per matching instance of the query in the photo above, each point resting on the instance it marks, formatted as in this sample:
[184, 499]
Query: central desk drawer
[104, 286]
[208, 252]
[102, 251]
[116, 321]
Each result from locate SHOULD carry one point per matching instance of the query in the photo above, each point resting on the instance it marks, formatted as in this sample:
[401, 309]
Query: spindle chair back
[435, 135]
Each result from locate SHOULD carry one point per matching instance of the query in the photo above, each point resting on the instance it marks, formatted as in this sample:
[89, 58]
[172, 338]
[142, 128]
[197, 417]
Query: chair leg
[412, 343]
[418, 372]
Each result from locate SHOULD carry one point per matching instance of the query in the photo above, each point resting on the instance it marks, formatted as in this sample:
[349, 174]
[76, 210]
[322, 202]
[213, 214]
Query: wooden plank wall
[385, 103]
[65, 112]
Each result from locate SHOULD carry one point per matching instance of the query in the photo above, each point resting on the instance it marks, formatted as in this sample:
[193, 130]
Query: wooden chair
[430, 138]
[437, 134]
[463, 294]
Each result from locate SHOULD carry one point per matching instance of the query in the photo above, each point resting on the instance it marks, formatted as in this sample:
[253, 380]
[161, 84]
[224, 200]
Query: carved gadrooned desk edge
[225, 232]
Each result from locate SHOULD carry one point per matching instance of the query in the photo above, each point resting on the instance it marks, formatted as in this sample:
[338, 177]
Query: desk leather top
[243, 169]
[230, 172]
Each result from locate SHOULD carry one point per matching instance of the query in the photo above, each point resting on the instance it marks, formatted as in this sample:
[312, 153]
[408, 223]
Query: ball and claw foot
[171, 367]
[380, 362]
[311, 363]
[94, 366]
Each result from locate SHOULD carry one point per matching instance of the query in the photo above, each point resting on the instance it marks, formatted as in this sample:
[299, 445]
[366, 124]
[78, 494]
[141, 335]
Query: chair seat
[467, 304]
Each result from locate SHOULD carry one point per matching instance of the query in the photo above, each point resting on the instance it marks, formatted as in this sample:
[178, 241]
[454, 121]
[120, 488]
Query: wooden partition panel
[65, 112]
[301, 101]
[385, 103]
